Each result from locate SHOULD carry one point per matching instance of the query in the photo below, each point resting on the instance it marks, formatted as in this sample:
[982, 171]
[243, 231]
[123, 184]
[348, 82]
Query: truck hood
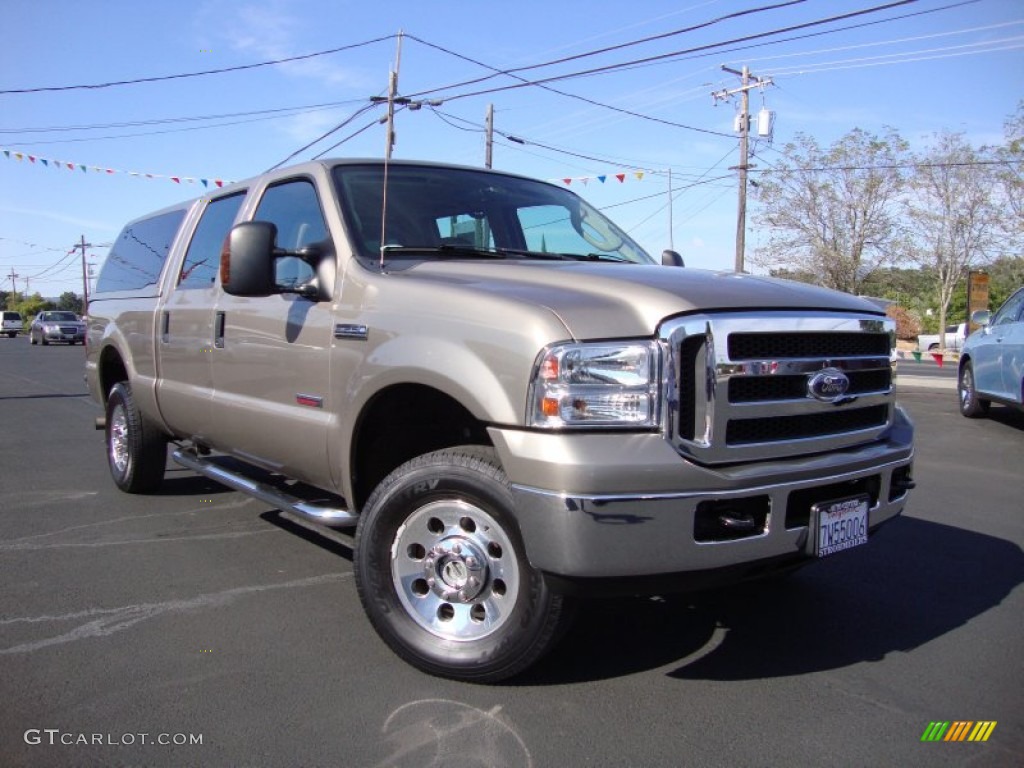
[608, 300]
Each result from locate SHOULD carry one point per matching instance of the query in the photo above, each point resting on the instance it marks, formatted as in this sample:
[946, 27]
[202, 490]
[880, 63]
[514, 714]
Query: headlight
[602, 384]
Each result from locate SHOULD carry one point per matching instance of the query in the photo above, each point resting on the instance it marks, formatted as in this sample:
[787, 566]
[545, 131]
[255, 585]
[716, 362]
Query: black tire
[136, 449]
[31, 339]
[971, 406]
[43, 341]
[459, 599]
[11, 335]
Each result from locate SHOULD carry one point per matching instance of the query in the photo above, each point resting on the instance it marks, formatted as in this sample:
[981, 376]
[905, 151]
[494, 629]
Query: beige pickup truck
[504, 397]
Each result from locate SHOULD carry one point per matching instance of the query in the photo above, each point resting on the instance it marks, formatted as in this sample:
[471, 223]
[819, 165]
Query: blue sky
[921, 67]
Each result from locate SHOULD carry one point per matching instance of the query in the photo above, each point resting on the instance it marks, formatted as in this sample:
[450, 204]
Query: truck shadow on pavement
[918, 581]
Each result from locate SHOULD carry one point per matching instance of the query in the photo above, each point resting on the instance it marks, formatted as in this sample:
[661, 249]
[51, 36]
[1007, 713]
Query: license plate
[840, 525]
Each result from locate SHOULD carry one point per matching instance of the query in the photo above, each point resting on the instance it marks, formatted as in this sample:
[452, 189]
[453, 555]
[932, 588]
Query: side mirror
[247, 259]
[672, 259]
[981, 317]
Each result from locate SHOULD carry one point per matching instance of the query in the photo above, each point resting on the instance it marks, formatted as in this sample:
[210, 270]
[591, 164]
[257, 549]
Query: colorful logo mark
[959, 730]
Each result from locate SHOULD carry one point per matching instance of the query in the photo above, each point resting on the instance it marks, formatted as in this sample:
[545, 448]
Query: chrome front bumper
[575, 525]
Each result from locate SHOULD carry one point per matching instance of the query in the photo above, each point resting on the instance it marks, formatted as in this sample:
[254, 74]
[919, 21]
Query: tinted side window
[199, 269]
[1010, 311]
[138, 255]
[295, 209]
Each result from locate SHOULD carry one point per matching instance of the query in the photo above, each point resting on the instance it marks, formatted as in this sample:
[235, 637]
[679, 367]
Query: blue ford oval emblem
[828, 385]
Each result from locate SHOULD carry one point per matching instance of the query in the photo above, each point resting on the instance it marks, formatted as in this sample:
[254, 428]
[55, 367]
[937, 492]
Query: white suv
[10, 323]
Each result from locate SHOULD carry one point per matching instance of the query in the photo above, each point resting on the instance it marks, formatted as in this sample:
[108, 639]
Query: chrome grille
[736, 394]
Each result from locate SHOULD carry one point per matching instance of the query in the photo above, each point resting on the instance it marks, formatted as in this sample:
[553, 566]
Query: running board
[322, 514]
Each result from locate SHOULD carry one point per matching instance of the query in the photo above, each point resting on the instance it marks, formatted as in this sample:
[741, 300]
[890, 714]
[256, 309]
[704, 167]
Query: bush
[908, 326]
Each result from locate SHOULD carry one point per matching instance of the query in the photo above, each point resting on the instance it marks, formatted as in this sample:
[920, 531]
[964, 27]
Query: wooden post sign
[977, 296]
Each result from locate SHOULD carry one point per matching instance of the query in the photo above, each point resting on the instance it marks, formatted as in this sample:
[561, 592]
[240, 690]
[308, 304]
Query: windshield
[436, 210]
[61, 317]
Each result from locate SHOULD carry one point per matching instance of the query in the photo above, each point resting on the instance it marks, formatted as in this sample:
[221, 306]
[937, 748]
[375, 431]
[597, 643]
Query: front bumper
[600, 506]
[59, 335]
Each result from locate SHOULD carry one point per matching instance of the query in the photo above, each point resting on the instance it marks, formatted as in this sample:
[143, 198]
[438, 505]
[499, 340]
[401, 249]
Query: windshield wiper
[596, 257]
[447, 251]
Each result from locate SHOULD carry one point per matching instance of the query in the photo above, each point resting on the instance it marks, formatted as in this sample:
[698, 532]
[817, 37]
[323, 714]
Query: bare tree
[834, 213]
[1010, 174]
[952, 217]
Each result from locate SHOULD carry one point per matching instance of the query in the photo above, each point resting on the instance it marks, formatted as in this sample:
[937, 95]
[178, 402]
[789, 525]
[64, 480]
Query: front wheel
[442, 573]
[971, 405]
[136, 449]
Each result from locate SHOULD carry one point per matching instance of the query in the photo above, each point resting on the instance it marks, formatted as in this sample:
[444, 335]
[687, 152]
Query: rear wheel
[971, 405]
[442, 573]
[136, 449]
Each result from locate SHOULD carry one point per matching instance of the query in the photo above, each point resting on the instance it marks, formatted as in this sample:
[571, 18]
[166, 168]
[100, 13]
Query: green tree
[31, 306]
[834, 213]
[71, 301]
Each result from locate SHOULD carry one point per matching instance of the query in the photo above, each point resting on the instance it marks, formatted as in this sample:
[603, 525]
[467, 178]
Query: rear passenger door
[272, 401]
[187, 324]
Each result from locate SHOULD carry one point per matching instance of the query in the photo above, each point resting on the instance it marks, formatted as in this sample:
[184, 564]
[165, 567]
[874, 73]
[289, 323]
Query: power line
[361, 111]
[648, 59]
[273, 62]
[610, 48]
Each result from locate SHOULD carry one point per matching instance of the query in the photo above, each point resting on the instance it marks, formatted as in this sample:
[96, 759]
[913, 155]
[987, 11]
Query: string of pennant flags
[603, 178]
[46, 162]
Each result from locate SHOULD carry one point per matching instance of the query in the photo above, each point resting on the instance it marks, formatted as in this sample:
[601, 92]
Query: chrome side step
[322, 514]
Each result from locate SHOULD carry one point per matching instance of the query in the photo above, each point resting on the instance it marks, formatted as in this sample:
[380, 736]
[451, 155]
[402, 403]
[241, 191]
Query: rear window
[10, 316]
[137, 257]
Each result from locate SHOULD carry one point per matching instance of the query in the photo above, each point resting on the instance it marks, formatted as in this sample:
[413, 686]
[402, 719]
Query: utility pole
[14, 287]
[488, 155]
[747, 82]
[85, 274]
[392, 94]
[671, 225]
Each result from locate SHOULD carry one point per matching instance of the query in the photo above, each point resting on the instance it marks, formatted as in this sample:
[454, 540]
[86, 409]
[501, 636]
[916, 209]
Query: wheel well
[111, 371]
[401, 423]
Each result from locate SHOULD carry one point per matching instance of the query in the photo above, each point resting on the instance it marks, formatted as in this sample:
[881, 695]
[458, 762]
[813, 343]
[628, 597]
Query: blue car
[992, 360]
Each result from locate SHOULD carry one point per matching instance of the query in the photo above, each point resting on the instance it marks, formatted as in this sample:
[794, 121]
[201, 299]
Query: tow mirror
[672, 259]
[247, 259]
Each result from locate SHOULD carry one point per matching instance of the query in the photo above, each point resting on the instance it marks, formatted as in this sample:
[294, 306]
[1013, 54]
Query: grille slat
[782, 428]
[754, 389]
[772, 346]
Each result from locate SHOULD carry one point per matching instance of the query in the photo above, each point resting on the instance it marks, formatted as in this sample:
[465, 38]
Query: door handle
[218, 331]
[165, 327]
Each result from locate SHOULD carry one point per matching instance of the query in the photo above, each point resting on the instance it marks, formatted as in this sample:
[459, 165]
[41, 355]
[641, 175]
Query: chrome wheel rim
[455, 570]
[119, 438]
[966, 389]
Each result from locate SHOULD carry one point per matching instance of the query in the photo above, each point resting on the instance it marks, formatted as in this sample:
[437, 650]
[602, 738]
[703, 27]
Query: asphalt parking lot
[194, 627]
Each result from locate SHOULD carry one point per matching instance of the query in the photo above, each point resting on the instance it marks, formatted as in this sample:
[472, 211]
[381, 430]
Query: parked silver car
[56, 325]
[992, 360]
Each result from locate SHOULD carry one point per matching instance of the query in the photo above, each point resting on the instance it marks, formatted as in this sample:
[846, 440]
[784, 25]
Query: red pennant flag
[175, 179]
[218, 182]
[567, 182]
[71, 166]
[938, 358]
[620, 176]
[32, 158]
